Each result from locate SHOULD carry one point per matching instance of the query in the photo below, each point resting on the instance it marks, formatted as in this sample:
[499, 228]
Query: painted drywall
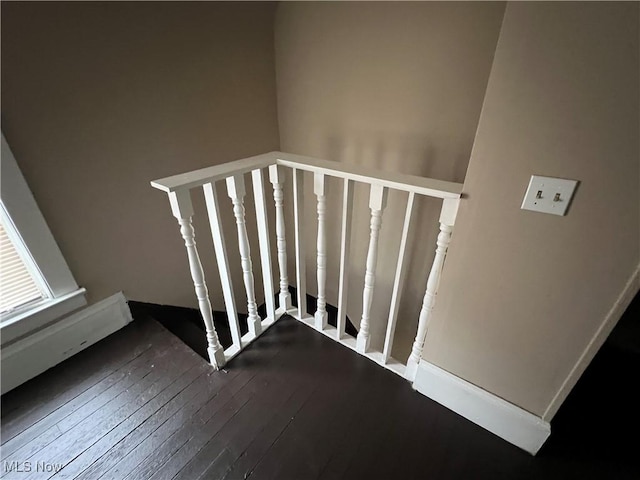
[100, 98]
[398, 86]
[523, 293]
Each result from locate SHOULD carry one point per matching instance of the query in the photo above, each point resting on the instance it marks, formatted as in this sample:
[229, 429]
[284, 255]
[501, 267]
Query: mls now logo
[26, 467]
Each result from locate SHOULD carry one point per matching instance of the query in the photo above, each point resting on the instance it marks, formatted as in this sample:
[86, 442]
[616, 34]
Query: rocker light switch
[549, 195]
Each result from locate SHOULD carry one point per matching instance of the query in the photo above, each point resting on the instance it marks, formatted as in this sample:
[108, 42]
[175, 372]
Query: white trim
[506, 420]
[36, 239]
[36, 353]
[197, 178]
[617, 310]
[24, 255]
[40, 314]
[429, 187]
[32, 227]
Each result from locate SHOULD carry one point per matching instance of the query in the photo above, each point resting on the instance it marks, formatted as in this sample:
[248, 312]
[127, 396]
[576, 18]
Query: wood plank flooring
[294, 405]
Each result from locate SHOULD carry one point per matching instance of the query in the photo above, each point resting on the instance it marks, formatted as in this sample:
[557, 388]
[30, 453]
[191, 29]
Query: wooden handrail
[197, 178]
[398, 181]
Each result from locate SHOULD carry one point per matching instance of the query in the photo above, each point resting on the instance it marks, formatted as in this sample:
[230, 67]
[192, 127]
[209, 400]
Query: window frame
[30, 266]
[23, 211]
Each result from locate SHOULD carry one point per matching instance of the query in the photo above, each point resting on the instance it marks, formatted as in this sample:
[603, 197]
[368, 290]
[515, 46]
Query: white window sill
[40, 315]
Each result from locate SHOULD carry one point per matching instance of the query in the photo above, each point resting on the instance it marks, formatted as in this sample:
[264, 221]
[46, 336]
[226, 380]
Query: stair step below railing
[330, 331]
[250, 337]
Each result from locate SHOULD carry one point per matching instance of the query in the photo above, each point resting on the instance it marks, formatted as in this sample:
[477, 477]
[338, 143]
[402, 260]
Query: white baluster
[182, 209]
[276, 176]
[263, 238]
[377, 203]
[345, 243]
[219, 244]
[236, 190]
[447, 220]
[301, 267]
[321, 310]
[398, 282]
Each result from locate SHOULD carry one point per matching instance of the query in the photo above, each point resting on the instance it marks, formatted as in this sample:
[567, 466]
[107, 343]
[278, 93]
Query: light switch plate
[549, 195]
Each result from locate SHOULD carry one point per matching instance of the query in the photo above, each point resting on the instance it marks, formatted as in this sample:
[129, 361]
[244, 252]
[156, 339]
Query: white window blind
[18, 287]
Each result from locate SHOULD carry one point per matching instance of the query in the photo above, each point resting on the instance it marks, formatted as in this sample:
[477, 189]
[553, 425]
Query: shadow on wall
[391, 85]
[410, 154]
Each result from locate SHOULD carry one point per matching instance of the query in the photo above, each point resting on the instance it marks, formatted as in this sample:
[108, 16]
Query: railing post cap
[319, 183]
[378, 197]
[276, 174]
[181, 206]
[236, 187]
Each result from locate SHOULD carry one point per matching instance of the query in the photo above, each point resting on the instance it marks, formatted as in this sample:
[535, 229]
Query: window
[19, 285]
[36, 285]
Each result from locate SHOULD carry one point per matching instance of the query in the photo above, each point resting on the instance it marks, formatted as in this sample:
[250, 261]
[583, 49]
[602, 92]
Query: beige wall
[100, 98]
[398, 86]
[523, 293]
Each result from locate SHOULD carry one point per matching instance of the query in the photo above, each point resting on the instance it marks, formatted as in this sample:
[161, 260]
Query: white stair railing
[377, 204]
[398, 282]
[321, 248]
[345, 241]
[224, 268]
[447, 219]
[301, 268]
[182, 209]
[236, 191]
[263, 237]
[178, 188]
[276, 176]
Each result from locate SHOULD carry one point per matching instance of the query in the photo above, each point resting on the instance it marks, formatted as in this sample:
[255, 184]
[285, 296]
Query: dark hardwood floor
[295, 405]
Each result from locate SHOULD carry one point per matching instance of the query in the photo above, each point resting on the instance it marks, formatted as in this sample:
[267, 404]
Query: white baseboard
[36, 353]
[35, 318]
[506, 420]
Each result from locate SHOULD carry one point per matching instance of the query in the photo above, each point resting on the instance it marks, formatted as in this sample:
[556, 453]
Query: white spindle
[182, 209]
[345, 243]
[236, 190]
[377, 203]
[179, 186]
[447, 220]
[398, 282]
[213, 209]
[276, 176]
[263, 238]
[321, 310]
[298, 212]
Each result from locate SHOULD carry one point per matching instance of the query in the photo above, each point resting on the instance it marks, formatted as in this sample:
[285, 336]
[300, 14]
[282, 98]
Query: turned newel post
[182, 209]
[377, 203]
[236, 190]
[447, 220]
[321, 310]
[276, 177]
